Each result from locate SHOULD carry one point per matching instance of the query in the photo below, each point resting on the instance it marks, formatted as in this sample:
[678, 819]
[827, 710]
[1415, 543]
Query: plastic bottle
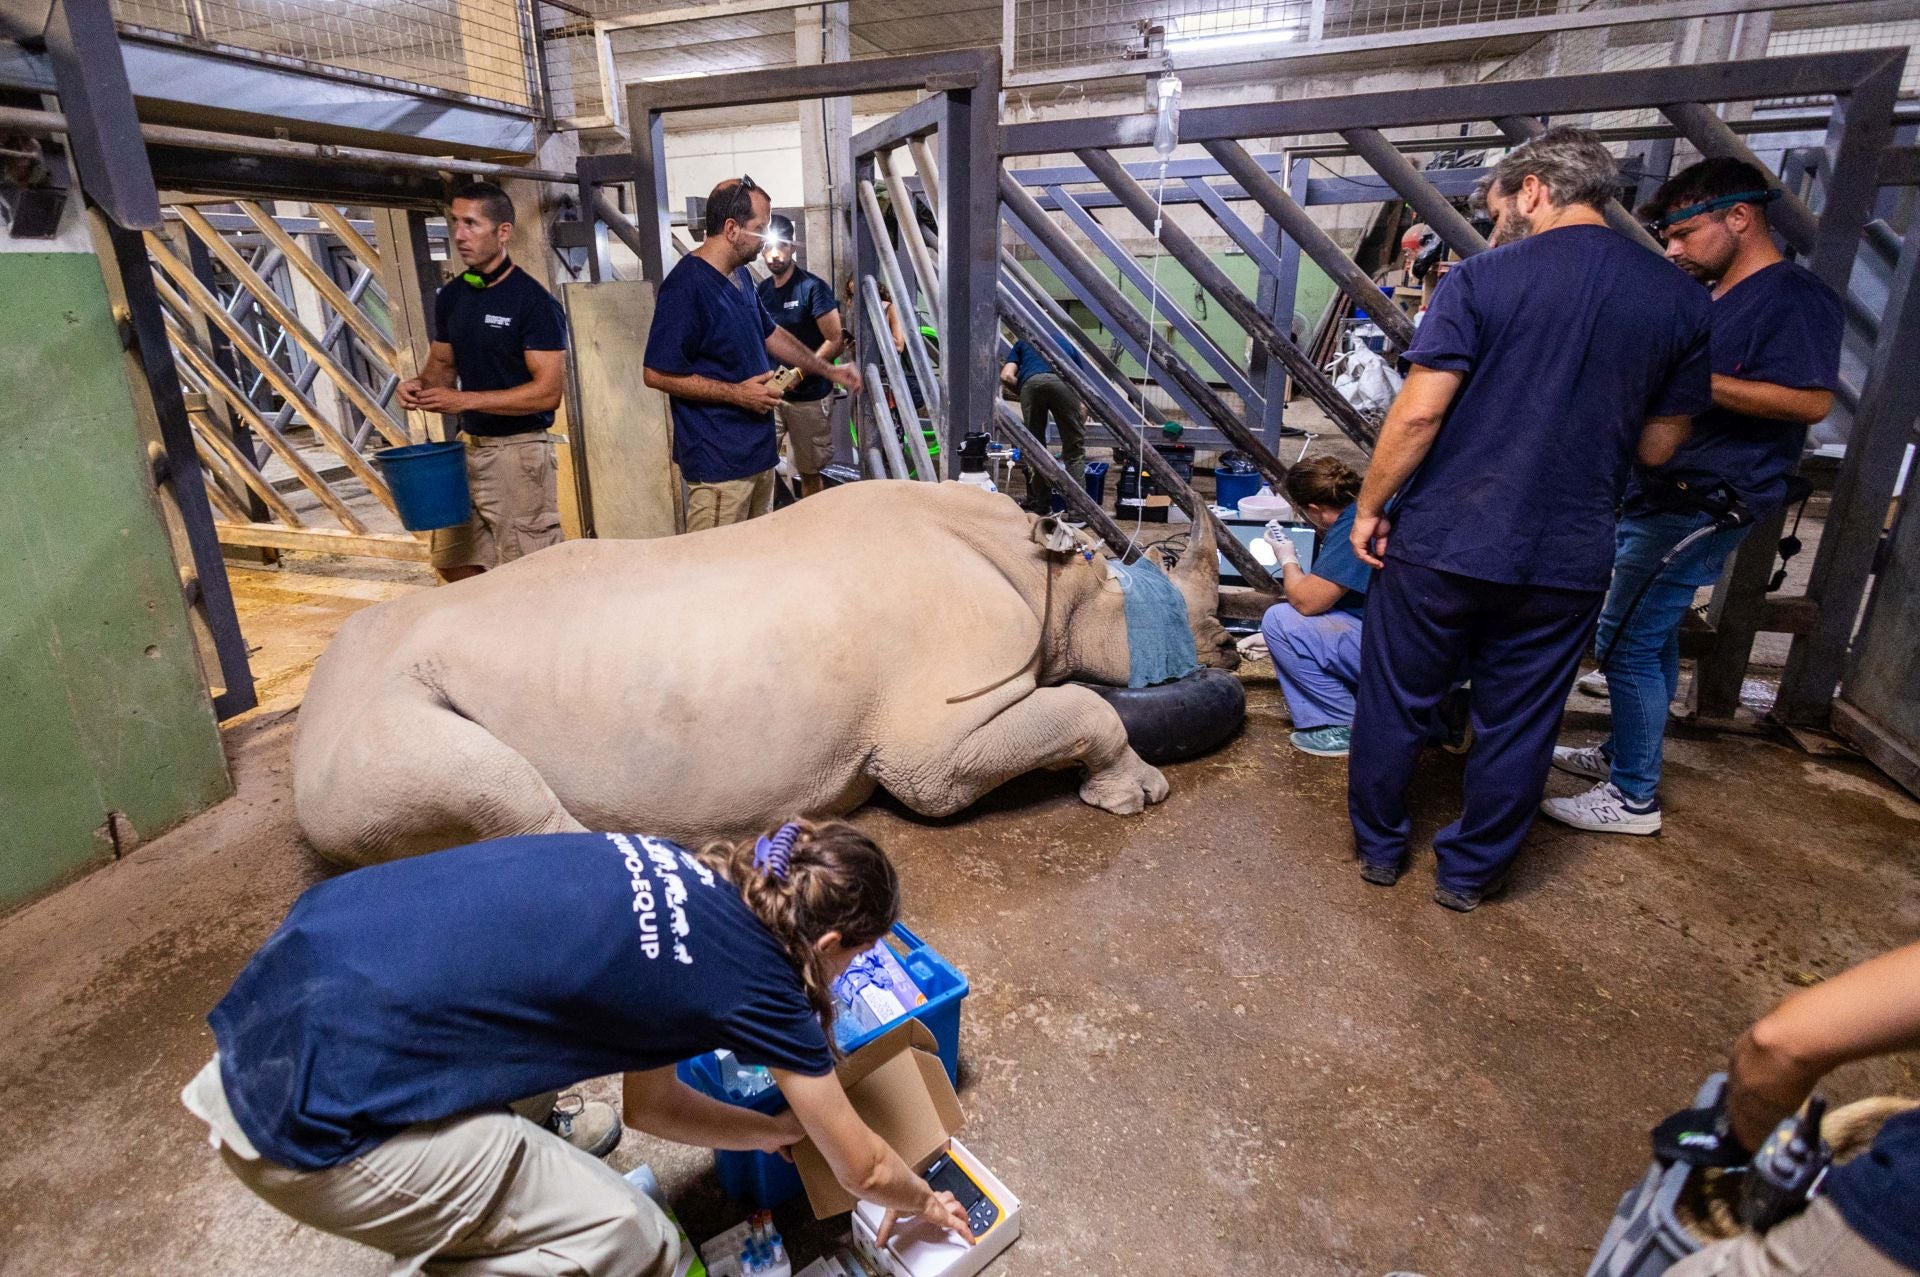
[1166, 124]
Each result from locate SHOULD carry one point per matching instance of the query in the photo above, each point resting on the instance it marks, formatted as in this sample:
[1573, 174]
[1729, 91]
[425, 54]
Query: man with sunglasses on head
[713, 349]
[1776, 363]
[803, 304]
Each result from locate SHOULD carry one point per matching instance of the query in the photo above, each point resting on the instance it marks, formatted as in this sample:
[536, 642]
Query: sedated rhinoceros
[709, 685]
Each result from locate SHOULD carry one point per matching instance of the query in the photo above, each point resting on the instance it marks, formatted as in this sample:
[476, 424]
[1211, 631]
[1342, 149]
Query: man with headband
[712, 349]
[1776, 363]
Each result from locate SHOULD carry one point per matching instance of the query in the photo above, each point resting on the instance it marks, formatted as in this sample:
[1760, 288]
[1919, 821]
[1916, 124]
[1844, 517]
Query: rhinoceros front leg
[1049, 727]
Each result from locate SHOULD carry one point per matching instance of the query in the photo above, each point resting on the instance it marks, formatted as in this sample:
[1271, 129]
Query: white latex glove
[1277, 537]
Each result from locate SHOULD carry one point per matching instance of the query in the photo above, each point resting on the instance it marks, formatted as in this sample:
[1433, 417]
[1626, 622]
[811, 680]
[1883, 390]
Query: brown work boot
[588, 1125]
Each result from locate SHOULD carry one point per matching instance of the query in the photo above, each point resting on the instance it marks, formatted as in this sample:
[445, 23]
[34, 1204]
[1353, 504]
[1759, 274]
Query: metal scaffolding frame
[1823, 223]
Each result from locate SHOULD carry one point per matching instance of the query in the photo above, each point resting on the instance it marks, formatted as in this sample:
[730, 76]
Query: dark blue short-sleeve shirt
[798, 306]
[706, 325]
[466, 979]
[1779, 325]
[1569, 340]
[1335, 561]
[1878, 1192]
[1027, 362]
[491, 330]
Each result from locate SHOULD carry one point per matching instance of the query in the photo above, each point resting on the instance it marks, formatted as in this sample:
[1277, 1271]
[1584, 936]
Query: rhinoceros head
[1197, 574]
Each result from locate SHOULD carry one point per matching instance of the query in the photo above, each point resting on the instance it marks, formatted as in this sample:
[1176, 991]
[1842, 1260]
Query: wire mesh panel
[1051, 34]
[572, 59]
[477, 48]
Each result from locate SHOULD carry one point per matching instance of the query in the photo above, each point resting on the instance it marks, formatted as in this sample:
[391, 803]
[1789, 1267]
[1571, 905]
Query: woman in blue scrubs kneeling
[1314, 637]
[369, 1050]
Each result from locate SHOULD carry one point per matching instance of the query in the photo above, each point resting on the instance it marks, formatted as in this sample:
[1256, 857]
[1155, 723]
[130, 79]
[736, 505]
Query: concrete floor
[1196, 1042]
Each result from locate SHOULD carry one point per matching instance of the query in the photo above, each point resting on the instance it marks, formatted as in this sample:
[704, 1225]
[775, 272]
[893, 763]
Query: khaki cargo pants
[516, 502]
[715, 505]
[1815, 1243]
[480, 1195]
[805, 426]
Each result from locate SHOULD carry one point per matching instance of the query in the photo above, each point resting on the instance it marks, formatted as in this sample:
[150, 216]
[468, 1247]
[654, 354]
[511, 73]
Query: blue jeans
[1317, 660]
[1643, 669]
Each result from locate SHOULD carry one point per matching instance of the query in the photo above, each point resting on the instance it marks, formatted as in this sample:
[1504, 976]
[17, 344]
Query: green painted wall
[1314, 291]
[102, 707]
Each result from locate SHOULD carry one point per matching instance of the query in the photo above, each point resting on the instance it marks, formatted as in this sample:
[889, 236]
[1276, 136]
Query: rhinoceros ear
[1199, 567]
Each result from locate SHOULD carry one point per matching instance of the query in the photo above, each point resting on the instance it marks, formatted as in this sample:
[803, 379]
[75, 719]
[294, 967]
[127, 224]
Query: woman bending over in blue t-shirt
[368, 1052]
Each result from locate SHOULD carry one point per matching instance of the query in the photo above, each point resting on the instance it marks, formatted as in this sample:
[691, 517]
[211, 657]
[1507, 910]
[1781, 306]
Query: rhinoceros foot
[1126, 788]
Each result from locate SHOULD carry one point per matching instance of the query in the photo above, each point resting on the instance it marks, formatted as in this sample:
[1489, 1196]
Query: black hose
[1737, 517]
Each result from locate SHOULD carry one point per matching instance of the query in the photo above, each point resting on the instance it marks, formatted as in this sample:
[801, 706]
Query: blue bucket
[1095, 477]
[429, 484]
[1230, 489]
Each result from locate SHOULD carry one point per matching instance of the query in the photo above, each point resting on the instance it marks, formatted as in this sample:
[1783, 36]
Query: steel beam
[1207, 273]
[935, 72]
[906, 216]
[103, 132]
[1803, 76]
[1135, 449]
[1073, 491]
[1160, 301]
[1300, 227]
[1843, 563]
[1118, 314]
[1244, 236]
[1434, 208]
[918, 120]
[968, 214]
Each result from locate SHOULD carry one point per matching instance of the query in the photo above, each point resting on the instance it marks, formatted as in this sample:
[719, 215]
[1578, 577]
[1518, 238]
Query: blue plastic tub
[1095, 477]
[429, 484]
[1230, 488]
[767, 1180]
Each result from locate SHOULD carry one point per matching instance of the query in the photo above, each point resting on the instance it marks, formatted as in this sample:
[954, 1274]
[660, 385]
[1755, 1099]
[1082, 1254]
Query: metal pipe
[923, 165]
[1303, 230]
[907, 216]
[1372, 146]
[897, 378]
[284, 417]
[15, 119]
[1207, 273]
[902, 300]
[883, 420]
[616, 221]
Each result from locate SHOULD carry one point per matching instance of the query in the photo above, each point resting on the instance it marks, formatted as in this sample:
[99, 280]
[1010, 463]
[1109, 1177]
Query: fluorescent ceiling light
[1233, 39]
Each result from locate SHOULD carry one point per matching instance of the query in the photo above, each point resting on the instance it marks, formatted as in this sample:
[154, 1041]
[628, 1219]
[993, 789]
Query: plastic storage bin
[1646, 1238]
[1231, 487]
[768, 1180]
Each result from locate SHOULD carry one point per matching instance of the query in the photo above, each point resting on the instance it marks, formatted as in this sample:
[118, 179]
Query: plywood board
[622, 432]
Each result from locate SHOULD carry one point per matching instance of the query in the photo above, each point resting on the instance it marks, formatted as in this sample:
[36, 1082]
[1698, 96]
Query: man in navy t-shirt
[1541, 370]
[803, 304]
[709, 349]
[1776, 363]
[499, 365]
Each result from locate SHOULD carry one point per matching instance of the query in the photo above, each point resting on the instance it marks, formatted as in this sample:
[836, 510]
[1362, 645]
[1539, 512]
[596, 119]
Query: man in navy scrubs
[709, 349]
[1541, 370]
[1776, 364]
[803, 304]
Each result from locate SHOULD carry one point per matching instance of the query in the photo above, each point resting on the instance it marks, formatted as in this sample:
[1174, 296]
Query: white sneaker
[1604, 810]
[1583, 760]
[1593, 683]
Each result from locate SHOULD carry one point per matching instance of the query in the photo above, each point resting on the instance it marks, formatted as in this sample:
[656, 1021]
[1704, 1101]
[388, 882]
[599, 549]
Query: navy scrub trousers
[1521, 645]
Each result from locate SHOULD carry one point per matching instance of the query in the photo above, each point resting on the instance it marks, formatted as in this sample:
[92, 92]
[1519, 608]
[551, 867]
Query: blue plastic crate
[767, 1180]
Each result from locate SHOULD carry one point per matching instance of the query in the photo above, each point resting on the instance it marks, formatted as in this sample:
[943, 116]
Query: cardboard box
[899, 1088]
[921, 1250]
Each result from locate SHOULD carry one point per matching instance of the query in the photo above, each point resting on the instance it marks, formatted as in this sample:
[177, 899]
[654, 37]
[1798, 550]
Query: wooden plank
[203, 300]
[371, 545]
[216, 381]
[236, 465]
[363, 327]
[356, 243]
[621, 433]
[392, 431]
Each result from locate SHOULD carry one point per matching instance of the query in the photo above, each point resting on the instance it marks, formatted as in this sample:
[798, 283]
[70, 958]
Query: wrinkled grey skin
[712, 685]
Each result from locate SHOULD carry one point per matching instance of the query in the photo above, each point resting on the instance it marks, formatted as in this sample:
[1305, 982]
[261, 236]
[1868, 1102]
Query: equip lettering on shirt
[646, 908]
[499, 321]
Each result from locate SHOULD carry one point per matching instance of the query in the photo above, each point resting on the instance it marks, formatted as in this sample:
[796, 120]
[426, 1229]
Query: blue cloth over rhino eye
[1159, 639]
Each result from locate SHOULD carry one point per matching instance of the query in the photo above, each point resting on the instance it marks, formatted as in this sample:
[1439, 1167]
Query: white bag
[1366, 381]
